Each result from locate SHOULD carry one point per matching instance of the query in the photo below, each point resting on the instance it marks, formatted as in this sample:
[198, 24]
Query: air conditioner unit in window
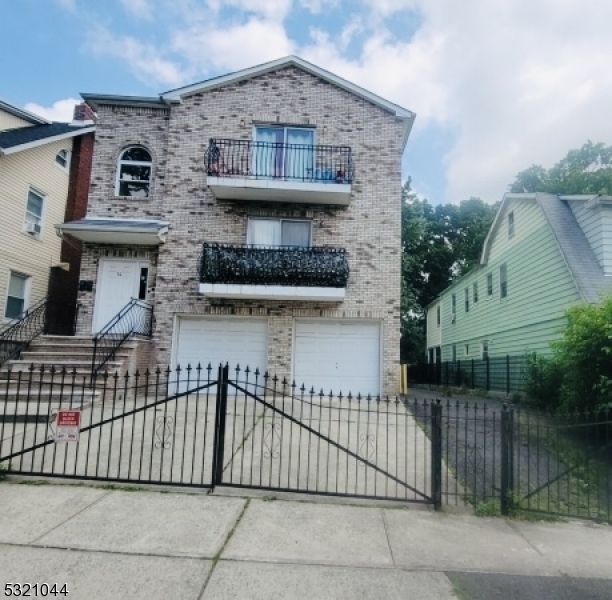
[32, 227]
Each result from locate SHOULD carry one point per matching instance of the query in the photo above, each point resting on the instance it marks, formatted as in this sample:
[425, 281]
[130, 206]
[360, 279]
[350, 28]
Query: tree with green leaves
[586, 170]
[439, 244]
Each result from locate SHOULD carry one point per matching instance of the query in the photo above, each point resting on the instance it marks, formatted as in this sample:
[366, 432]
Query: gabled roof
[176, 95]
[23, 138]
[571, 240]
[22, 114]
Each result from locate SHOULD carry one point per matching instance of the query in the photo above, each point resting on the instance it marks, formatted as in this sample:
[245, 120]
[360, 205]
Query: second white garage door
[338, 356]
[219, 340]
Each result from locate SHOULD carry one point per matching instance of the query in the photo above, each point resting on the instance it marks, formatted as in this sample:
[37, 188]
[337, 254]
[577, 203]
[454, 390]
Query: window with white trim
[503, 281]
[438, 316]
[489, 284]
[134, 172]
[475, 288]
[279, 232]
[16, 296]
[510, 224]
[62, 158]
[484, 350]
[34, 212]
[453, 308]
[467, 349]
[285, 152]
[467, 299]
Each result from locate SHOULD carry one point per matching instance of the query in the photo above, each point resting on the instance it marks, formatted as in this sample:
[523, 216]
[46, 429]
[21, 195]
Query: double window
[134, 172]
[16, 296]
[34, 212]
[279, 232]
[284, 152]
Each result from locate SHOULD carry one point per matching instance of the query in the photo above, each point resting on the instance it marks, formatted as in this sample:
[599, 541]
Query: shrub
[544, 381]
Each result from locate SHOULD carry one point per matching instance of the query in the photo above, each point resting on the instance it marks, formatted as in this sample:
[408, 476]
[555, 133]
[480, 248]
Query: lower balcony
[273, 273]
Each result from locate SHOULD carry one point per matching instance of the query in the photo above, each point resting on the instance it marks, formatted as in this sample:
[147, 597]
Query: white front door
[118, 282]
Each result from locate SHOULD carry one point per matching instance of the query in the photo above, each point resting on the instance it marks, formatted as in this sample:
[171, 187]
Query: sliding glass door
[284, 152]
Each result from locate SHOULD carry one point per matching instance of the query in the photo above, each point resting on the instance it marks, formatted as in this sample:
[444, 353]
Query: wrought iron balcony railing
[283, 265]
[275, 160]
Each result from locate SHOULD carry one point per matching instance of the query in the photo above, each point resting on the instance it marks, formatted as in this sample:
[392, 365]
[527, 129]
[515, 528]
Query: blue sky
[497, 86]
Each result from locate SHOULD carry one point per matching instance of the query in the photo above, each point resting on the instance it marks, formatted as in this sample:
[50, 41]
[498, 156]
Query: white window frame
[484, 349]
[475, 291]
[467, 299]
[490, 284]
[438, 316]
[134, 163]
[511, 224]
[285, 129]
[40, 218]
[67, 157]
[279, 220]
[466, 349]
[453, 308]
[26, 293]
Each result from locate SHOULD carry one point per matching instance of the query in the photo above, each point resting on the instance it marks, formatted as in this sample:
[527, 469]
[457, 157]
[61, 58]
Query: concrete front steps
[52, 369]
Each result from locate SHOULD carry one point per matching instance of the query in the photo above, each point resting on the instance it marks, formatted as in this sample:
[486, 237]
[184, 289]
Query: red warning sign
[67, 425]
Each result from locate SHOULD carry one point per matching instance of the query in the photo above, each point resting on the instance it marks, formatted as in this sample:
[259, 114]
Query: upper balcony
[275, 273]
[279, 172]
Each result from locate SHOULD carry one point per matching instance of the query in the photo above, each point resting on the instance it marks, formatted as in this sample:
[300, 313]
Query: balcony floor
[272, 292]
[279, 190]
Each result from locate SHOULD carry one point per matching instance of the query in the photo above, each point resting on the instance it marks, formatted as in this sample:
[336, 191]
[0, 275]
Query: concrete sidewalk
[106, 543]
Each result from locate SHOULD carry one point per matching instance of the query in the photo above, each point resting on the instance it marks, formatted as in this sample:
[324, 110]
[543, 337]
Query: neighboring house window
[503, 281]
[490, 284]
[510, 224]
[62, 158]
[16, 297]
[34, 212]
[279, 232]
[467, 349]
[134, 172]
[475, 289]
[286, 152]
[454, 353]
[453, 307]
[430, 356]
[467, 299]
[484, 350]
[438, 316]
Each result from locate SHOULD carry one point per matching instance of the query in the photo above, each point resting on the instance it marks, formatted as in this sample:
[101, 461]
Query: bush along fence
[499, 374]
[215, 426]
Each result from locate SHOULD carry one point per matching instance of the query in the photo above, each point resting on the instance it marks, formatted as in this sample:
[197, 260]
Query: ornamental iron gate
[188, 428]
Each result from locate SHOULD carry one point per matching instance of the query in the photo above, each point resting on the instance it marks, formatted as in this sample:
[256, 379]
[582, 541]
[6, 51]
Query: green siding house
[542, 254]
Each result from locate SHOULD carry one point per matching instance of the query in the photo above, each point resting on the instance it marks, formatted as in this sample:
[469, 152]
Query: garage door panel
[235, 341]
[338, 356]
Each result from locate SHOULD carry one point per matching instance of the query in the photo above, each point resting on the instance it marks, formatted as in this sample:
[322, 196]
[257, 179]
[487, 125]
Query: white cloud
[317, 6]
[223, 49]
[274, 10]
[145, 60]
[61, 110]
[140, 9]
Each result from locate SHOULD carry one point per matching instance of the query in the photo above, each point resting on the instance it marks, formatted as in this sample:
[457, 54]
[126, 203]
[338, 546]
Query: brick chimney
[83, 114]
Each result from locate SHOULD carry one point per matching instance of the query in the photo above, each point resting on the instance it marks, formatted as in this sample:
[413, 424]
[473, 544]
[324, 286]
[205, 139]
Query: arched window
[134, 172]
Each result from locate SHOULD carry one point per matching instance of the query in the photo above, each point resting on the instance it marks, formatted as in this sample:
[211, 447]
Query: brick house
[259, 214]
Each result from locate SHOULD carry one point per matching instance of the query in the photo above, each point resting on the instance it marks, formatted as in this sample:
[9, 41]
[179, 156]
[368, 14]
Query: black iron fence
[15, 337]
[284, 265]
[135, 318]
[212, 427]
[500, 373]
[276, 160]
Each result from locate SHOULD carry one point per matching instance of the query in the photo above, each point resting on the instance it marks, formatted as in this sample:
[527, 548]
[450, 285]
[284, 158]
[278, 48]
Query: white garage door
[338, 356]
[217, 340]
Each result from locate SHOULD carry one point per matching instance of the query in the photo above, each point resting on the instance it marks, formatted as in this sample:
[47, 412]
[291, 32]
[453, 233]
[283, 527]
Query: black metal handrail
[283, 265]
[135, 318]
[15, 337]
[275, 160]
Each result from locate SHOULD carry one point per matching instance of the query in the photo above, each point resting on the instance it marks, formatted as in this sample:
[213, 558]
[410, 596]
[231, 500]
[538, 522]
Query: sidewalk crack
[69, 518]
[384, 518]
[217, 556]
